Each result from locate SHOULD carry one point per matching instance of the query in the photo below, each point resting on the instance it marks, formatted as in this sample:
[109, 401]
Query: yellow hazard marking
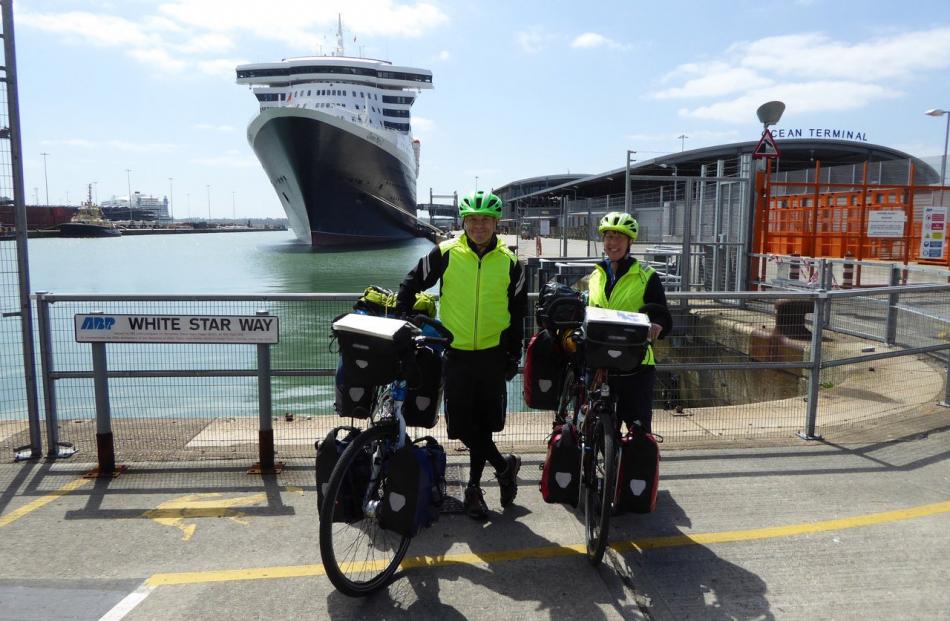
[650, 543]
[212, 505]
[40, 502]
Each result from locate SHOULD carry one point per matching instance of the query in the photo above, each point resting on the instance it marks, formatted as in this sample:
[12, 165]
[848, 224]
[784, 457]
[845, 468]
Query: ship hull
[73, 229]
[340, 184]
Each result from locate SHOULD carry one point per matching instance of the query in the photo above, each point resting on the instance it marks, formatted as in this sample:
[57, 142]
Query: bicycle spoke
[360, 557]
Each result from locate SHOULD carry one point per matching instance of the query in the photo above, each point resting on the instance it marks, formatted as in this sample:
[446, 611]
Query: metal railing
[737, 365]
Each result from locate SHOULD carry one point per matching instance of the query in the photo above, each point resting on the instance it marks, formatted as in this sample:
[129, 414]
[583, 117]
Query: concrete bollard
[795, 268]
[847, 272]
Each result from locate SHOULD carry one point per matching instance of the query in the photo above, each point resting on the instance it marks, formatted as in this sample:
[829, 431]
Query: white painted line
[128, 603]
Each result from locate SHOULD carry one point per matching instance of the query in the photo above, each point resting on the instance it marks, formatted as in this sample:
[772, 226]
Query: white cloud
[715, 79]
[444, 55]
[422, 124]
[593, 39]
[190, 34]
[810, 72]
[293, 21]
[895, 56]
[805, 97]
[533, 40]
[90, 28]
[221, 67]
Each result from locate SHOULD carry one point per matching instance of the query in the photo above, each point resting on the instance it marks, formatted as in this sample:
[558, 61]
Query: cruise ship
[334, 137]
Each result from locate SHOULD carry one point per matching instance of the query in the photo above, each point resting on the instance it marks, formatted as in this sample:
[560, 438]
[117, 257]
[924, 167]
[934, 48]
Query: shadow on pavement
[687, 581]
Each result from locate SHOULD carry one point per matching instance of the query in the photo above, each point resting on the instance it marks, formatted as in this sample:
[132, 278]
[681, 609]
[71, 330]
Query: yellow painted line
[870, 519]
[41, 502]
[301, 571]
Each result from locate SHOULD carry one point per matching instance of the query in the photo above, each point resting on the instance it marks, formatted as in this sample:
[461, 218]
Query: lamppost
[626, 187]
[188, 205]
[171, 196]
[682, 138]
[476, 183]
[943, 163]
[45, 181]
[208, 187]
[233, 209]
[128, 181]
[95, 192]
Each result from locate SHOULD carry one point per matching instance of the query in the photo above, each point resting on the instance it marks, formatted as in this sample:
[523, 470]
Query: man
[620, 282]
[483, 304]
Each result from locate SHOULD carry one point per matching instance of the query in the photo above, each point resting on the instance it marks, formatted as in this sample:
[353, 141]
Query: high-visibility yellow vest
[474, 299]
[627, 294]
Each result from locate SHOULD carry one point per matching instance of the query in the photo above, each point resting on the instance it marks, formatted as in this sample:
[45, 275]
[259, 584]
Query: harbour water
[239, 263]
[265, 262]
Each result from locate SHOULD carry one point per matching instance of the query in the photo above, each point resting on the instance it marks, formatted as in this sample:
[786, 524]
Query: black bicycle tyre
[338, 569]
[567, 400]
[600, 480]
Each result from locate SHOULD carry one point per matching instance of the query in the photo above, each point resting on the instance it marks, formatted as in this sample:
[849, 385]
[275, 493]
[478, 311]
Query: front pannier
[372, 348]
[423, 396]
[349, 502]
[615, 340]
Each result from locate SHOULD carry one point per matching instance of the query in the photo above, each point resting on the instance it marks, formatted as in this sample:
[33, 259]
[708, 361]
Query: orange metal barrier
[821, 219]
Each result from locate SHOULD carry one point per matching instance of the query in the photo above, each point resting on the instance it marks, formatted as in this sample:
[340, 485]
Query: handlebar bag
[614, 339]
[372, 348]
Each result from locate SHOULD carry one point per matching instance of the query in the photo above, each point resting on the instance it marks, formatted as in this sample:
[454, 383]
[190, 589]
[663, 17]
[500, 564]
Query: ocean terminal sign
[820, 132]
[237, 329]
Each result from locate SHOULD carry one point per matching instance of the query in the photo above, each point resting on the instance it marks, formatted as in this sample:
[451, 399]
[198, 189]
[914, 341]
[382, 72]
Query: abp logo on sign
[97, 323]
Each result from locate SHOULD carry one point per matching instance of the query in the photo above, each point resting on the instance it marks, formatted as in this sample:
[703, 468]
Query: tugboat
[88, 221]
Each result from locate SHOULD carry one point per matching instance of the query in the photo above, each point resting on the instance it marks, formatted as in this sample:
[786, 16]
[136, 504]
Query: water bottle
[399, 391]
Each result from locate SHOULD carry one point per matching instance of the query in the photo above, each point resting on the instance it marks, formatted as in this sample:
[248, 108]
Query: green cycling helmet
[620, 222]
[480, 203]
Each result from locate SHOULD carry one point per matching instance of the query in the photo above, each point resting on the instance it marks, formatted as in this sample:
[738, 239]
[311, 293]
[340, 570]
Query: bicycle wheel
[567, 402]
[600, 480]
[359, 556]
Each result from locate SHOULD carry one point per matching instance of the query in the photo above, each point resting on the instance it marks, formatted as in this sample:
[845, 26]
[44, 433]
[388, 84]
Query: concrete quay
[850, 528]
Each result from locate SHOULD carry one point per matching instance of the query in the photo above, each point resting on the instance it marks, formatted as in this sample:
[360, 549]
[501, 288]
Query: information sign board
[933, 233]
[237, 329]
[886, 223]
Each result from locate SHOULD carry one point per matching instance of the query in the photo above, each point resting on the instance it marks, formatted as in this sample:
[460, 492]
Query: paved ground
[856, 529]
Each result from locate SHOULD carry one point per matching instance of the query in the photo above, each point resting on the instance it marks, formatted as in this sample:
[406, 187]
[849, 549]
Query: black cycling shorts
[476, 394]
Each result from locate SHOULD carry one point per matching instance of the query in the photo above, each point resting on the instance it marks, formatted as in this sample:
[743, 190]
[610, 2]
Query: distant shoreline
[9, 234]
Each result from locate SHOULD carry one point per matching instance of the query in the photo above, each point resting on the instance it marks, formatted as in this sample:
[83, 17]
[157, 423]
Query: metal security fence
[743, 365]
[18, 402]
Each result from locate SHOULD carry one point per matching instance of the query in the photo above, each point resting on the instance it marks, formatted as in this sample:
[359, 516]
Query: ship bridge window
[397, 100]
[399, 113]
[403, 127]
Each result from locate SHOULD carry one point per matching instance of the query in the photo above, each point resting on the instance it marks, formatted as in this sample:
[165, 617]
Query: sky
[521, 89]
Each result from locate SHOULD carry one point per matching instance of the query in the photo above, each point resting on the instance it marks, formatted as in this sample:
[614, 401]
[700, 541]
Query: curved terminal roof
[797, 154]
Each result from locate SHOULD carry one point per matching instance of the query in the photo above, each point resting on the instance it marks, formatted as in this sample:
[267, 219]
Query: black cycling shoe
[508, 480]
[474, 504]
